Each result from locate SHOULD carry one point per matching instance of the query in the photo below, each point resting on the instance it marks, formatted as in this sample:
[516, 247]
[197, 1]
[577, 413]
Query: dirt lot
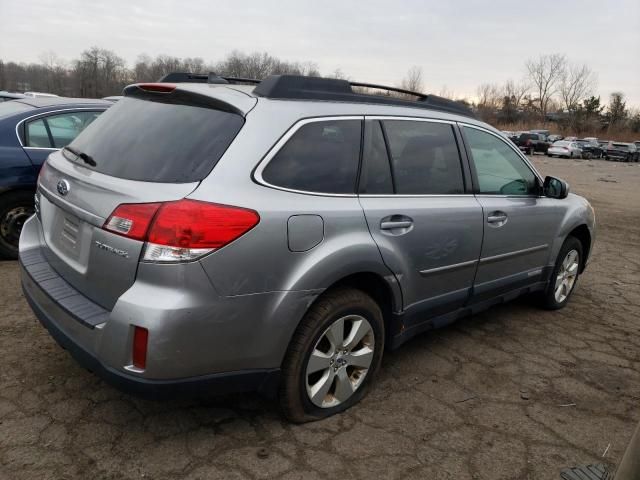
[513, 393]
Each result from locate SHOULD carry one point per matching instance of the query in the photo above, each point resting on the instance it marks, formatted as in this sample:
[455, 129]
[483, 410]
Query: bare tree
[413, 80]
[516, 91]
[577, 83]
[489, 96]
[545, 74]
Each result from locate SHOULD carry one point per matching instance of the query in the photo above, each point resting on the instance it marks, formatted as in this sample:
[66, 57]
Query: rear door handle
[497, 218]
[390, 225]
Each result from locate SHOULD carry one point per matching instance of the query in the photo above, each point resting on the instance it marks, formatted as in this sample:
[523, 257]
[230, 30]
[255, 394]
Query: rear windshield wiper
[83, 156]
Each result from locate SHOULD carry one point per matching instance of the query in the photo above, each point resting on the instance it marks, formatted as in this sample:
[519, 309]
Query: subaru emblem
[63, 187]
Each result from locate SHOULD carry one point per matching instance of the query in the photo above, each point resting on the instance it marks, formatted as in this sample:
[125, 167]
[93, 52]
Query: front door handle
[497, 218]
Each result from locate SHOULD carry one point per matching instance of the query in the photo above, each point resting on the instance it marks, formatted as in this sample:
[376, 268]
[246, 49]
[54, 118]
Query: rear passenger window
[424, 158]
[320, 157]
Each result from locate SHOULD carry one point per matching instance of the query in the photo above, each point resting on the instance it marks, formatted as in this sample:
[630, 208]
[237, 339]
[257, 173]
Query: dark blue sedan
[30, 129]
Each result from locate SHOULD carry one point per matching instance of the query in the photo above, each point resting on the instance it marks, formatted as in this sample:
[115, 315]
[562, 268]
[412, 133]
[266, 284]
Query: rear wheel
[15, 209]
[564, 276]
[333, 356]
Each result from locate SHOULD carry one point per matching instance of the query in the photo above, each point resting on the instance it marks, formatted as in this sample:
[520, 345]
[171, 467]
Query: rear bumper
[53, 316]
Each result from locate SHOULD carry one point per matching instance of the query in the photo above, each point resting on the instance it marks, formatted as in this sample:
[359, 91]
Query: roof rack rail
[298, 87]
[389, 89]
[211, 77]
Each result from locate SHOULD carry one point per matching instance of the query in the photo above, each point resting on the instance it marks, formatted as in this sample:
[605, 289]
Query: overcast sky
[459, 44]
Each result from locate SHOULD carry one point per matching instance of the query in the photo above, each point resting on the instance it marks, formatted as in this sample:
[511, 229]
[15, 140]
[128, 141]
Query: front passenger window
[500, 170]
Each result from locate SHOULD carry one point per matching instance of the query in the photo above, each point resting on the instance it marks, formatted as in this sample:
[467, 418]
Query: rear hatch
[153, 146]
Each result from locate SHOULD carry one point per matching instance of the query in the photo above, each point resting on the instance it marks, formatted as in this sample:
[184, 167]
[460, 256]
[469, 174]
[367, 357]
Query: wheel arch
[385, 293]
[582, 233]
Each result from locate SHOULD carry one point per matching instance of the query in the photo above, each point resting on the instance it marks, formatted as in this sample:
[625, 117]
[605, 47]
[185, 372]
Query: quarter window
[500, 170]
[57, 131]
[320, 157]
[424, 157]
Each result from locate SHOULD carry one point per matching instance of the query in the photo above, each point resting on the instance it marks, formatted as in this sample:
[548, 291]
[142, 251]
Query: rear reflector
[183, 230]
[139, 353]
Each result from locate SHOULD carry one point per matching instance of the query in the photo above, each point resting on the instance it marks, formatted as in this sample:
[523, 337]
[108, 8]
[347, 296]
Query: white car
[562, 148]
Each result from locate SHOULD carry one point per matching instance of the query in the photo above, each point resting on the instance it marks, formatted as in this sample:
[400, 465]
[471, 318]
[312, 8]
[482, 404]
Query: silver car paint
[237, 308]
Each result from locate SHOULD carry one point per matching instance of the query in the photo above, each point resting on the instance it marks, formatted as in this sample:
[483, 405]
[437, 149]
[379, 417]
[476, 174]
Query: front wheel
[333, 356]
[564, 276]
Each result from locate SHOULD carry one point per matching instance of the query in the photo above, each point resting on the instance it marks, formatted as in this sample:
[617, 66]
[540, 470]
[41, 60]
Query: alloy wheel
[567, 275]
[339, 361]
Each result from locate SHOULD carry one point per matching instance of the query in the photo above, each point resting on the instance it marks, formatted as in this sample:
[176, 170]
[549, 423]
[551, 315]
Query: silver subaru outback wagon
[278, 237]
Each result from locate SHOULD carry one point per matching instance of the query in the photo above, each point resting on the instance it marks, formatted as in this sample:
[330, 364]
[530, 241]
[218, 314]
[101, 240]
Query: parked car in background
[6, 96]
[30, 129]
[564, 148]
[532, 142]
[281, 238]
[39, 94]
[570, 139]
[554, 138]
[590, 148]
[591, 139]
[621, 152]
[545, 133]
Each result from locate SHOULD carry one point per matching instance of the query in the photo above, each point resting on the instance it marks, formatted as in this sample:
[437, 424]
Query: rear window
[12, 106]
[320, 157]
[158, 142]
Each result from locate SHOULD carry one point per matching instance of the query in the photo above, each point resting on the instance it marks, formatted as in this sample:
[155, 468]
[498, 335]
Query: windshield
[156, 142]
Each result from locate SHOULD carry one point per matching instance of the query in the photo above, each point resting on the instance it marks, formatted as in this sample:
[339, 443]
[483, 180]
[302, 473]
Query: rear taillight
[41, 173]
[139, 348]
[183, 230]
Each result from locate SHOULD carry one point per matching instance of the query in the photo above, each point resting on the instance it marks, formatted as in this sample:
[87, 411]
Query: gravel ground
[515, 392]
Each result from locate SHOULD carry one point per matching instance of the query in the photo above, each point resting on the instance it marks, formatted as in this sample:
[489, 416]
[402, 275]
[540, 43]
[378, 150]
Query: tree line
[100, 72]
[552, 88]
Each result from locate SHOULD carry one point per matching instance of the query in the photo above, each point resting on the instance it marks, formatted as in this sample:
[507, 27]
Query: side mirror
[555, 188]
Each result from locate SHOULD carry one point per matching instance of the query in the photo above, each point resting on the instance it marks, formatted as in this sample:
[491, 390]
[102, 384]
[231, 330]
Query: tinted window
[376, 173]
[500, 170]
[319, 157]
[158, 142]
[424, 157]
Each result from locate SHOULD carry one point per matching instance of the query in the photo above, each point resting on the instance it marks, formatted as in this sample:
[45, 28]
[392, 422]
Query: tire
[550, 299]
[350, 306]
[15, 208]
